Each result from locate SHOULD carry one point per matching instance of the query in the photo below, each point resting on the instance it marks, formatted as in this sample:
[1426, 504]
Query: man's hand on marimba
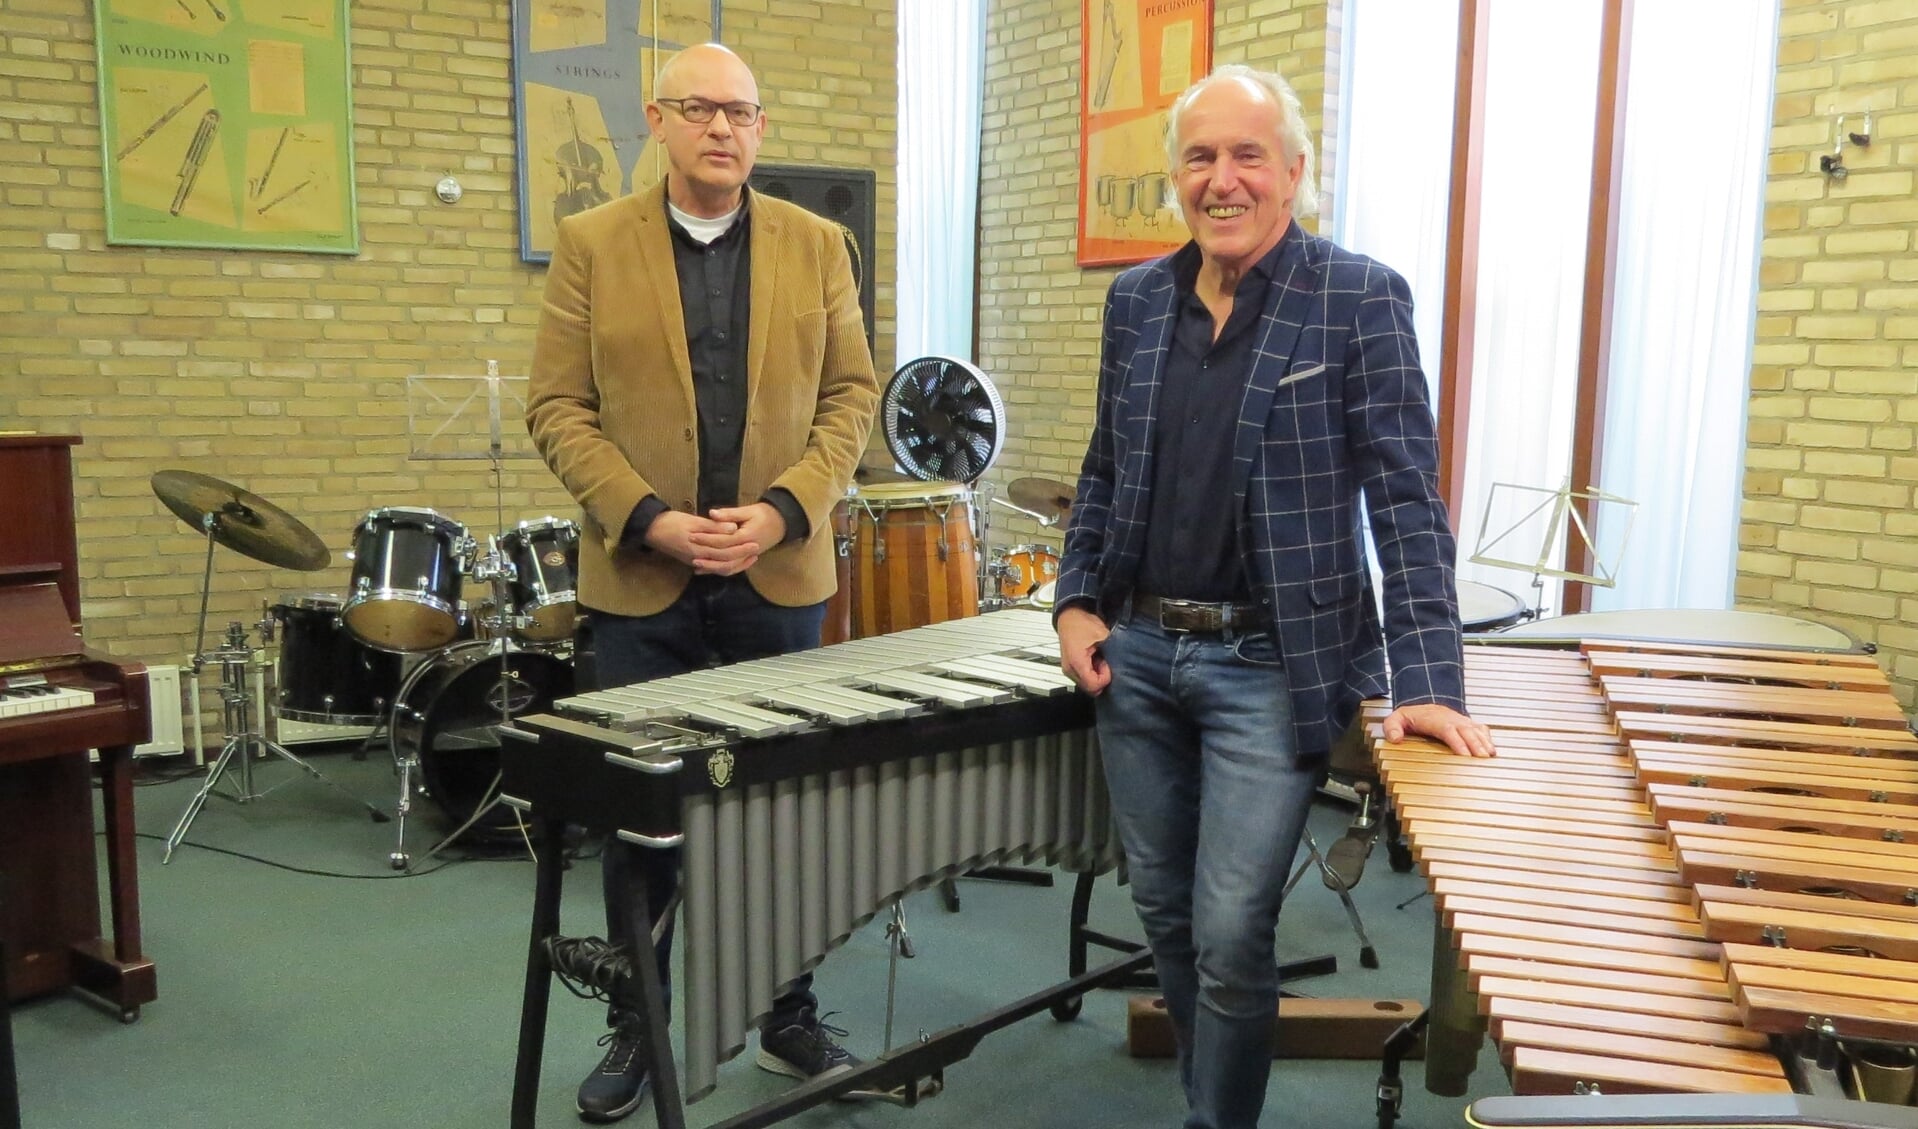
[1461, 734]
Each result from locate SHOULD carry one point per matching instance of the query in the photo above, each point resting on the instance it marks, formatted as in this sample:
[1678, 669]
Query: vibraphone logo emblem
[719, 768]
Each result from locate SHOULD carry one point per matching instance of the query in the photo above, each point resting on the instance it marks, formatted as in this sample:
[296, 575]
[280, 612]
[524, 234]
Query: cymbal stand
[243, 739]
[991, 570]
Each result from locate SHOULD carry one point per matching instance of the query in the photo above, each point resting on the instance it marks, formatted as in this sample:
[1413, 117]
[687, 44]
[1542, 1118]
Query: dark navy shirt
[715, 298]
[1192, 549]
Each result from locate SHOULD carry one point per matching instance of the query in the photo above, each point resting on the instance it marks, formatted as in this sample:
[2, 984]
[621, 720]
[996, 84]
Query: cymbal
[246, 523]
[1051, 501]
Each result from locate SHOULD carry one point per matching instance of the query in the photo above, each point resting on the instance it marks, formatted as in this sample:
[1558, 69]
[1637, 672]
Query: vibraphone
[809, 792]
[1687, 870]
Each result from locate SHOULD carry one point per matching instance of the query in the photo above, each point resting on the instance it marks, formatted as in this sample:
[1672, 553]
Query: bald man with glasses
[702, 386]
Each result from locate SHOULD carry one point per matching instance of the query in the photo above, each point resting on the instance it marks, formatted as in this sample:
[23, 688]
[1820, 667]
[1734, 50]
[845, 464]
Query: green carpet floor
[291, 999]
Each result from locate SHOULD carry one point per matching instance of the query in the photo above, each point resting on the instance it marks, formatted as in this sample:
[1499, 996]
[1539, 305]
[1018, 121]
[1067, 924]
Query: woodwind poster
[227, 123]
[582, 72]
[1136, 56]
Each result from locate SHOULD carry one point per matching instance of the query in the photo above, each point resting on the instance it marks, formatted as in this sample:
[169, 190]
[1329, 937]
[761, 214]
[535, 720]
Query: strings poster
[1137, 57]
[227, 123]
[582, 73]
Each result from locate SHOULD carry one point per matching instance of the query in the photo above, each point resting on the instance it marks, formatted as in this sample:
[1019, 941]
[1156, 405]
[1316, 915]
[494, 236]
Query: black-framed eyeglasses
[699, 111]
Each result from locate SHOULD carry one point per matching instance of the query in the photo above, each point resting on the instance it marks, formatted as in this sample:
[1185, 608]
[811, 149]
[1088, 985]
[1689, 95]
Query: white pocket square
[1295, 377]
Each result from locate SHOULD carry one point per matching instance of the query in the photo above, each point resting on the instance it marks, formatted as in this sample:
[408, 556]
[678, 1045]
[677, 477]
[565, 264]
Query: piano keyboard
[19, 700]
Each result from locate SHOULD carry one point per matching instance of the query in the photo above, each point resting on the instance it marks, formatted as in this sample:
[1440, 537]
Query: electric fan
[943, 419]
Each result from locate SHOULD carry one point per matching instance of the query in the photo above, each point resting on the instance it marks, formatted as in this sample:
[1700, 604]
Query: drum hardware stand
[490, 566]
[1368, 956]
[243, 739]
[899, 944]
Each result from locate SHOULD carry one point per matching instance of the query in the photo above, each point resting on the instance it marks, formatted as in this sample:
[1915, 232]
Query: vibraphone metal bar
[1620, 978]
[808, 792]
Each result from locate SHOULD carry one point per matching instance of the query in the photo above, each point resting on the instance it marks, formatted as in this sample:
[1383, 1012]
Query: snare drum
[1026, 568]
[406, 579]
[545, 558]
[1482, 607]
[327, 677]
[448, 714]
[914, 561]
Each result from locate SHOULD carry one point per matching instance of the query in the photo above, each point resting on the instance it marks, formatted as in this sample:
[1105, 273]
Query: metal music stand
[1520, 543]
[252, 526]
[457, 418]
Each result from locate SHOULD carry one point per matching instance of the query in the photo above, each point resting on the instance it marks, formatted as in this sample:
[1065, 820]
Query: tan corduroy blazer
[611, 408]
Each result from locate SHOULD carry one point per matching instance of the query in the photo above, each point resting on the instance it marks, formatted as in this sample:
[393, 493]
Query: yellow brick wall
[1038, 311]
[1827, 528]
[286, 373]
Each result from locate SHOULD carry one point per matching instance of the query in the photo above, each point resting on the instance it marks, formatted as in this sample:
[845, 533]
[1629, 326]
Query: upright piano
[59, 699]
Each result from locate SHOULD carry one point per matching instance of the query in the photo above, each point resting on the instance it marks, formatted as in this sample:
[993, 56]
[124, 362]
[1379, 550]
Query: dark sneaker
[619, 1083]
[804, 1050]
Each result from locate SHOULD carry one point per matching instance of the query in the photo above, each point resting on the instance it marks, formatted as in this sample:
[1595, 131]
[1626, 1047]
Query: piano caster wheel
[1067, 1009]
[129, 1015]
[400, 861]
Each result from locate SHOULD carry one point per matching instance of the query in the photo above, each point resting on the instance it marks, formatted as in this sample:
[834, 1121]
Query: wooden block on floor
[1304, 1028]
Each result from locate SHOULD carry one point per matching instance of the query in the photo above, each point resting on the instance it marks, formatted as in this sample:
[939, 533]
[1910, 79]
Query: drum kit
[400, 652]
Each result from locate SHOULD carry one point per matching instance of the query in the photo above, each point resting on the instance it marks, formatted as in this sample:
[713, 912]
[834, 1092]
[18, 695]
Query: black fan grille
[943, 420]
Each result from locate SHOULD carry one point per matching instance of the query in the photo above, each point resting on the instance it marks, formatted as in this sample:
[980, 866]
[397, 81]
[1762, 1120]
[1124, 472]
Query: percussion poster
[1136, 56]
[227, 123]
[582, 73]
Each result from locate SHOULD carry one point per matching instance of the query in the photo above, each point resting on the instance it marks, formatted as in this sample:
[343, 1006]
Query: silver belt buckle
[1183, 608]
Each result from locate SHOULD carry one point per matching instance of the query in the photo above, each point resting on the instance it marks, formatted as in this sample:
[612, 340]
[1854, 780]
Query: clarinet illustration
[195, 158]
[1114, 37]
[158, 122]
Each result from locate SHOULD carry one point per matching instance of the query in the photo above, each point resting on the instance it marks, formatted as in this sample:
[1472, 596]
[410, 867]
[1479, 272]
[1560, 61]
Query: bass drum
[447, 718]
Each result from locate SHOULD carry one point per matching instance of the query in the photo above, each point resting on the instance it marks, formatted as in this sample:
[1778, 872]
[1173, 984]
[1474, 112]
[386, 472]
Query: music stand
[1522, 544]
[457, 418]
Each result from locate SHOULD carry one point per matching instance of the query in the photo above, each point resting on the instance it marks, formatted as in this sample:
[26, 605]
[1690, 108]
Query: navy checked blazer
[1335, 404]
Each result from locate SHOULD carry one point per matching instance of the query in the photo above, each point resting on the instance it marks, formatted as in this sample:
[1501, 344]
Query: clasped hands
[727, 541]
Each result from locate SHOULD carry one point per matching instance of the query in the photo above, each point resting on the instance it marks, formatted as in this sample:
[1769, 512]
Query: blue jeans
[716, 621]
[1196, 733]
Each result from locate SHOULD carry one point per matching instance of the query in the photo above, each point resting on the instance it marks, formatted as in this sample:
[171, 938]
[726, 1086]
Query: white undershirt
[700, 228]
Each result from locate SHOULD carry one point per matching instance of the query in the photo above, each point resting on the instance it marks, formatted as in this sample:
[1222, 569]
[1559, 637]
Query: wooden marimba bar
[1679, 852]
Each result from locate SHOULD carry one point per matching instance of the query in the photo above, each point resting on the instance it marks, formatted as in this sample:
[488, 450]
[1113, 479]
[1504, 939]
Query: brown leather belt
[1194, 617]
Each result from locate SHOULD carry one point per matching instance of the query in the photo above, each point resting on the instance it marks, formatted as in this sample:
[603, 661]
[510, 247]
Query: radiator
[169, 737]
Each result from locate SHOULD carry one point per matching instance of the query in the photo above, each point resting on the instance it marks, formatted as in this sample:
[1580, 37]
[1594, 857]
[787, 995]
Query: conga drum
[914, 560]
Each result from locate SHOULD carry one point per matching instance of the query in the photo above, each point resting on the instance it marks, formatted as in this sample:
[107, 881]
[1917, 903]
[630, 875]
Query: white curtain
[1695, 151]
[1540, 98]
[941, 83]
[1692, 178]
[1395, 145]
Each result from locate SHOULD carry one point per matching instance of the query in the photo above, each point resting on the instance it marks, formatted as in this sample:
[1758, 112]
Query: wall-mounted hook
[1832, 164]
[1861, 139]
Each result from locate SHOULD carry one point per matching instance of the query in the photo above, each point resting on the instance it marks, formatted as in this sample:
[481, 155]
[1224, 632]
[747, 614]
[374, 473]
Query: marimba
[808, 793]
[1683, 858]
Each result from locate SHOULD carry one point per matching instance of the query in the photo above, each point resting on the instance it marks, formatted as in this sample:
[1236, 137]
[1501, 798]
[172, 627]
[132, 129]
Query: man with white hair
[1254, 386]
